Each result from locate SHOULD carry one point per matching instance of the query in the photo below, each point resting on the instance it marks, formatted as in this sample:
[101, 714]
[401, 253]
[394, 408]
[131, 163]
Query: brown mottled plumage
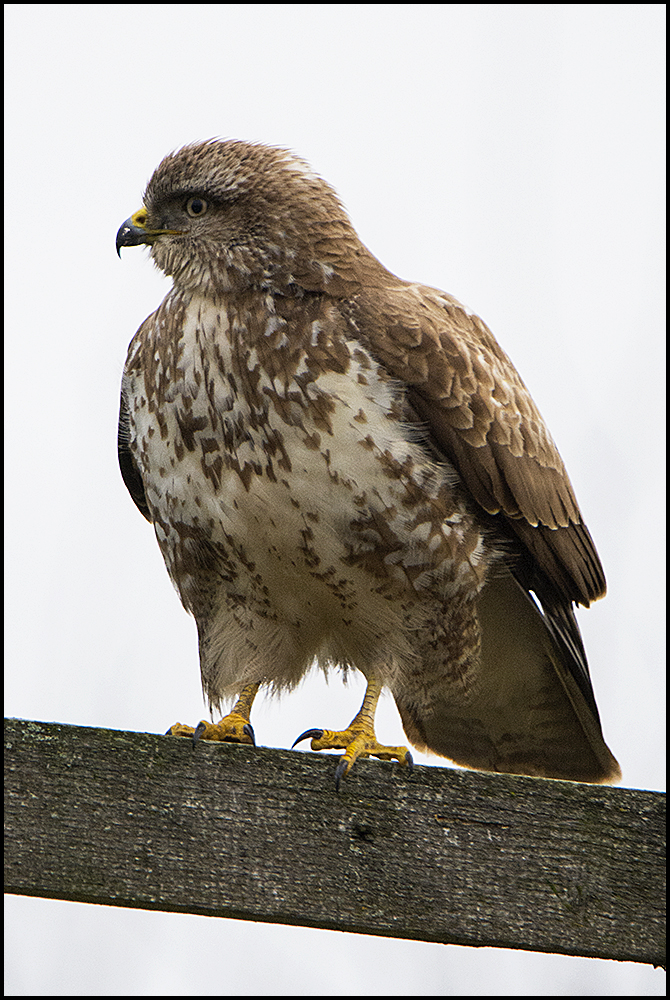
[346, 466]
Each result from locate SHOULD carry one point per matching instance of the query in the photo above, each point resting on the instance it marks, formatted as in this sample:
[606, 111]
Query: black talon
[248, 730]
[409, 760]
[341, 768]
[312, 734]
[198, 731]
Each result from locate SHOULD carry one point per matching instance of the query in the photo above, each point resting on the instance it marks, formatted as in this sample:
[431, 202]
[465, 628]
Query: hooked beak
[134, 232]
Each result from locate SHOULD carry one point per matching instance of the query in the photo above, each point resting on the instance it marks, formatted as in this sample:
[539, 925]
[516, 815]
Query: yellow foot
[358, 740]
[233, 728]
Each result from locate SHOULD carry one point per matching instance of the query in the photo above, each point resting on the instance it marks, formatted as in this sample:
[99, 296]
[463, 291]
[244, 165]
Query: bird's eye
[196, 207]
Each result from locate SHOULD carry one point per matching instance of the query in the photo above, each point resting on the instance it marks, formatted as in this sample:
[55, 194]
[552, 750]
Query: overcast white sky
[511, 154]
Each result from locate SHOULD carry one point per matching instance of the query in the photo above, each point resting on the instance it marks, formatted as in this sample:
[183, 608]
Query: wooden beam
[131, 819]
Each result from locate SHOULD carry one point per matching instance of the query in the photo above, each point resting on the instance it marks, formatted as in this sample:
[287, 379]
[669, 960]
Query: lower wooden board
[133, 819]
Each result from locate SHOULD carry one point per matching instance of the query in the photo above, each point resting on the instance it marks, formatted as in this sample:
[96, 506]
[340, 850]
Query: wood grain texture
[132, 819]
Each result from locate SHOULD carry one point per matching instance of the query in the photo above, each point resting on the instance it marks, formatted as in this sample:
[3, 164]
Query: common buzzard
[344, 466]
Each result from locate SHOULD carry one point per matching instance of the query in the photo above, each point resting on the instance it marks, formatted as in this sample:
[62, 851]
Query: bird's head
[225, 215]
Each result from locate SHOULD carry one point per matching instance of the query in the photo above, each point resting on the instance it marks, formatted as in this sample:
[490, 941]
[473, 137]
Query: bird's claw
[199, 731]
[340, 771]
[233, 728]
[309, 734]
[356, 742]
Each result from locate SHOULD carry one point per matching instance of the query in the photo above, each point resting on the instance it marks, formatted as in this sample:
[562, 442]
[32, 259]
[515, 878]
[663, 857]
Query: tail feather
[532, 709]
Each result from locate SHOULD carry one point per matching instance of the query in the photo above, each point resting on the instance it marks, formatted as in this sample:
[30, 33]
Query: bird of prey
[343, 466]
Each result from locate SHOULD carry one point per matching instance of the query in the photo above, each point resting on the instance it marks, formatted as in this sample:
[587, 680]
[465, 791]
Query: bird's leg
[233, 728]
[358, 739]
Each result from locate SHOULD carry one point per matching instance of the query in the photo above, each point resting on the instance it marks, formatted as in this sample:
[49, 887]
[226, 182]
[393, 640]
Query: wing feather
[481, 416]
[129, 471]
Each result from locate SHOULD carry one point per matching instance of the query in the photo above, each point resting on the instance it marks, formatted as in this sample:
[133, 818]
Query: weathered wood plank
[131, 819]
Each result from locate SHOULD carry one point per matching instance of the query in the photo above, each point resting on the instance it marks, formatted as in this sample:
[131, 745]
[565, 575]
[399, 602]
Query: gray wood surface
[132, 819]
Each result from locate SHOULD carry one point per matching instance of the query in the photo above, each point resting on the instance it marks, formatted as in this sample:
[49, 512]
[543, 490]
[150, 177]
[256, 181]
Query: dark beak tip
[121, 238]
[130, 235]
